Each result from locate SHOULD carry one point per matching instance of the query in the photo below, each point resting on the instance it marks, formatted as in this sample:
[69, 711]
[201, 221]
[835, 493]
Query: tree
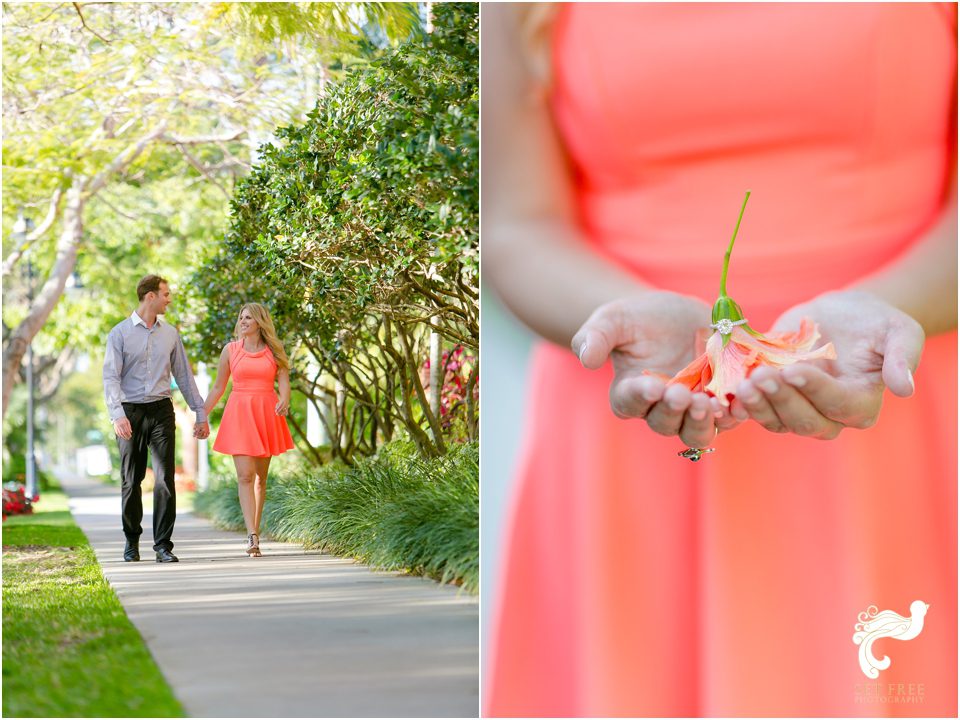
[101, 98]
[340, 27]
[360, 229]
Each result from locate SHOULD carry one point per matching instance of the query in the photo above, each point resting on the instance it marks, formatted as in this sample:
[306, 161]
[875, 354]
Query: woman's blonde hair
[268, 332]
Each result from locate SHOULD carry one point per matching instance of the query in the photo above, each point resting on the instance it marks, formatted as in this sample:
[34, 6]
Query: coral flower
[735, 349]
[721, 367]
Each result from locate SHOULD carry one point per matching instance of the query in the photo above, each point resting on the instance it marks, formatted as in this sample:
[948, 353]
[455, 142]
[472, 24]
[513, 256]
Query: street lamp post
[31, 454]
[21, 229]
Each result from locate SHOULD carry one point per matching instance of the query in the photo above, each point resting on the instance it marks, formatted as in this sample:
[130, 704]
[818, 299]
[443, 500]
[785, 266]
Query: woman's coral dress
[637, 583]
[250, 424]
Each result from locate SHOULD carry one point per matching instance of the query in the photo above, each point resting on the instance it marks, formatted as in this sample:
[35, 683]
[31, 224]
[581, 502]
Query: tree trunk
[412, 370]
[66, 259]
[50, 371]
[405, 409]
[472, 425]
[301, 433]
[344, 439]
[71, 235]
[437, 372]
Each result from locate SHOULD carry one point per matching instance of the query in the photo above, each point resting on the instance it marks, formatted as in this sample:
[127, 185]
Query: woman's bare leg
[260, 489]
[246, 480]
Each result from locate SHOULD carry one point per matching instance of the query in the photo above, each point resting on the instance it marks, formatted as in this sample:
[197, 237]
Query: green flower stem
[726, 307]
[726, 257]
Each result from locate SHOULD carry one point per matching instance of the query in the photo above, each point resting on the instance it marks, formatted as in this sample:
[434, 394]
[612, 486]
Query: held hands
[121, 426]
[877, 346]
[656, 332]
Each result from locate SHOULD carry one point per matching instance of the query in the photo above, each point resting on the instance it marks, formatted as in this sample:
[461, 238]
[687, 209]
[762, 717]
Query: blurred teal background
[505, 349]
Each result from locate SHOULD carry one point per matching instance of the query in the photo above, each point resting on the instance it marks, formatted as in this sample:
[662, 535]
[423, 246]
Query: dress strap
[234, 349]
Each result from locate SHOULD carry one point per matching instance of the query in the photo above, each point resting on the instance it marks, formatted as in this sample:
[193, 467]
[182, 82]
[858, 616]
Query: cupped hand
[654, 332]
[877, 346]
[121, 426]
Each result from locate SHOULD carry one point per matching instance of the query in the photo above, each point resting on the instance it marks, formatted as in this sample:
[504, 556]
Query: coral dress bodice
[250, 423]
[842, 130]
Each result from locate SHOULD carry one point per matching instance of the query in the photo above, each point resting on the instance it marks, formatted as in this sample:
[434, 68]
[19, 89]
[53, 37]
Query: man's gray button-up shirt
[138, 365]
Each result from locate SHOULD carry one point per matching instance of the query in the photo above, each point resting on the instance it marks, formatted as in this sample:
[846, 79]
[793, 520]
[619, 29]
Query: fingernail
[751, 396]
[718, 414]
[769, 385]
[649, 393]
[698, 414]
[910, 378]
[675, 404]
[583, 349]
[795, 380]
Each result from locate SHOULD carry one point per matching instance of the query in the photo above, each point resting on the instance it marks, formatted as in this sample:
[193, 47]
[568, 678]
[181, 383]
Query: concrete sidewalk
[291, 634]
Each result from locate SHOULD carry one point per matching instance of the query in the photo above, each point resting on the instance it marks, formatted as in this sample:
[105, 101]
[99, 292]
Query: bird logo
[873, 625]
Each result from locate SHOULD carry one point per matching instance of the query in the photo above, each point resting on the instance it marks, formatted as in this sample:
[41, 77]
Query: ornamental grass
[395, 511]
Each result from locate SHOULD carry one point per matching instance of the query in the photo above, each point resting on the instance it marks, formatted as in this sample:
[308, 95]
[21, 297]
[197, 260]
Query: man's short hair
[150, 284]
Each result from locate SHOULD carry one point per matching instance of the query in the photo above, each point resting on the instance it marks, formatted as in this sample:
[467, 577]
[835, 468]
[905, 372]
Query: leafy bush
[395, 511]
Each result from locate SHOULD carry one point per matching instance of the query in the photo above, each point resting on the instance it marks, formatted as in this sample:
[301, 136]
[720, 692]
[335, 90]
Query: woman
[253, 428]
[618, 142]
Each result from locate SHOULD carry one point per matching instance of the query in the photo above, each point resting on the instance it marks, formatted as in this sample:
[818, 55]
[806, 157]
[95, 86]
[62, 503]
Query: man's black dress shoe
[166, 556]
[131, 553]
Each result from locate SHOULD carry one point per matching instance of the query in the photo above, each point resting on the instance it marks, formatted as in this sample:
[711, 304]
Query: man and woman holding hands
[143, 351]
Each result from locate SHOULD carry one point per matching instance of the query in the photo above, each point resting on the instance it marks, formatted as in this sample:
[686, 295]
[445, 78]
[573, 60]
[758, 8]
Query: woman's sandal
[253, 545]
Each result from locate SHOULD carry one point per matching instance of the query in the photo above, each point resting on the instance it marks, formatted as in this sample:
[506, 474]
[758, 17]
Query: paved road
[292, 634]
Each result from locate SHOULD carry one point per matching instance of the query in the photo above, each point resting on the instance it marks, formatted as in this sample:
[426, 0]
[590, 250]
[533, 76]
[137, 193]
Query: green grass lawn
[68, 648]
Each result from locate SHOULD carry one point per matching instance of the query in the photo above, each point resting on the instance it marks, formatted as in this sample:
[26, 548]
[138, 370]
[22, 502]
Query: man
[142, 351]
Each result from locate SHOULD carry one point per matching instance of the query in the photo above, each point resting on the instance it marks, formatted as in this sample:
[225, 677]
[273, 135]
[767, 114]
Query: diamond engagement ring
[725, 326]
[694, 454]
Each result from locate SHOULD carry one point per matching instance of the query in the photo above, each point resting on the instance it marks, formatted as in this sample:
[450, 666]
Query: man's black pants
[154, 428]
